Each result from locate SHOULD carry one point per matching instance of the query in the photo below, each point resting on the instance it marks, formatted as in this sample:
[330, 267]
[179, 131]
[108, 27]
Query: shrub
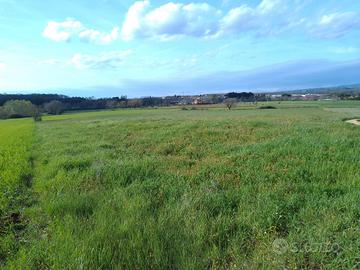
[267, 107]
[230, 103]
[18, 109]
[54, 107]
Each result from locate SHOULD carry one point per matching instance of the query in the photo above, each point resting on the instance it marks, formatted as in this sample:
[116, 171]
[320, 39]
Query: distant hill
[355, 88]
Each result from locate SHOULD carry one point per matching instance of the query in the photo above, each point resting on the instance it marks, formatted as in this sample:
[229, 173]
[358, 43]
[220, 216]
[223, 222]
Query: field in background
[191, 189]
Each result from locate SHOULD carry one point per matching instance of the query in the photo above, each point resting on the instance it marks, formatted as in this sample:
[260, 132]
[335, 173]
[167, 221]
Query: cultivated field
[183, 189]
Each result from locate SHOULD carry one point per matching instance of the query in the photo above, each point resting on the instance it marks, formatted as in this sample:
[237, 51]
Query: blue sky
[139, 48]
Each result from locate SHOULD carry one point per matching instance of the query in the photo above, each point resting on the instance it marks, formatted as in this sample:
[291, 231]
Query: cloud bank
[173, 20]
[201, 20]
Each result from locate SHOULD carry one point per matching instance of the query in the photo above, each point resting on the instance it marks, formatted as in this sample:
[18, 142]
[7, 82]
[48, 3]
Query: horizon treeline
[91, 103]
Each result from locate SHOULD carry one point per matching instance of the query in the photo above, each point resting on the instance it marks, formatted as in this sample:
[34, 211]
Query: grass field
[15, 182]
[183, 189]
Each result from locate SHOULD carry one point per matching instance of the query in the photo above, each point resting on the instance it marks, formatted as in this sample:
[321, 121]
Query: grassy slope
[15, 181]
[179, 189]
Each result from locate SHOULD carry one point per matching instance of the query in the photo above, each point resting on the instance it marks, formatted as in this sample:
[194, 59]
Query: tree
[215, 98]
[243, 96]
[123, 104]
[230, 102]
[19, 108]
[54, 107]
[135, 103]
[3, 113]
[111, 104]
[36, 114]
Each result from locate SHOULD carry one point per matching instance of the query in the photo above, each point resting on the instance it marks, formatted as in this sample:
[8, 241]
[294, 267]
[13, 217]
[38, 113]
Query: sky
[158, 47]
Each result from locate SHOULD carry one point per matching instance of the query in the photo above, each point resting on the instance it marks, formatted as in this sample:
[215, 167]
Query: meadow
[183, 189]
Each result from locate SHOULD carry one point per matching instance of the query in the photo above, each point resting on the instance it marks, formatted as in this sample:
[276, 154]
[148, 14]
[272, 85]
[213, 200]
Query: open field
[183, 189]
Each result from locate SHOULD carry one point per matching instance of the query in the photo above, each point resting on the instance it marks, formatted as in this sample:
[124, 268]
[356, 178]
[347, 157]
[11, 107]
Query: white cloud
[267, 6]
[170, 20]
[262, 18]
[335, 25]
[173, 20]
[62, 31]
[71, 28]
[107, 60]
[133, 19]
[94, 36]
[239, 19]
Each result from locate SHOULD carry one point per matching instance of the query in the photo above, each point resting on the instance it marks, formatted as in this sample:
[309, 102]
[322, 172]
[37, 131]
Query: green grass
[15, 181]
[195, 189]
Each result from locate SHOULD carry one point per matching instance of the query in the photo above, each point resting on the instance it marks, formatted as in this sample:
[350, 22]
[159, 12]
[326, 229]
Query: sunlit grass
[15, 181]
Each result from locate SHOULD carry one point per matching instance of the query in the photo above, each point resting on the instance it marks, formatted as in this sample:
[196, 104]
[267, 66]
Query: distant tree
[215, 99]
[112, 104]
[230, 102]
[151, 101]
[260, 97]
[36, 114]
[344, 96]
[36, 99]
[286, 96]
[123, 104]
[54, 107]
[243, 96]
[3, 113]
[135, 103]
[19, 108]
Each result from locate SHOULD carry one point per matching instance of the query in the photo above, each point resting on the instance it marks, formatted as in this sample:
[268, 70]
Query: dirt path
[354, 122]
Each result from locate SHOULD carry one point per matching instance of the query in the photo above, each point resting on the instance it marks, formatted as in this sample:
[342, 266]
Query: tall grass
[15, 181]
[205, 189]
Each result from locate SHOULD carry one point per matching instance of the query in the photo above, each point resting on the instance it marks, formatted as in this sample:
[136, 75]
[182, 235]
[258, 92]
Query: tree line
[69, 103]
[33, 105]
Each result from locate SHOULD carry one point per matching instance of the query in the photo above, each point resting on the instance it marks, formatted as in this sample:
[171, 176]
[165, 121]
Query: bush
[18, 108]
[37, 115]
[230, 103]
[54, 107]
[3, 113]
[266, 108]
